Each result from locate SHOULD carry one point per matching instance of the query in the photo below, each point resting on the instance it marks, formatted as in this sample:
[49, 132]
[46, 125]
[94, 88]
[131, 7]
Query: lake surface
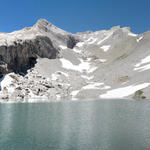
[86, 125]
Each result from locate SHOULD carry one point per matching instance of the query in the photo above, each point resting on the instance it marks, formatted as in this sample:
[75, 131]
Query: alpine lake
[76, 125]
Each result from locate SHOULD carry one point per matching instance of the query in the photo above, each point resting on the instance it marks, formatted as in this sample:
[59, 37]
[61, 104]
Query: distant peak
[43, 22]
[44, 25]
[128, 29]
[115, 28]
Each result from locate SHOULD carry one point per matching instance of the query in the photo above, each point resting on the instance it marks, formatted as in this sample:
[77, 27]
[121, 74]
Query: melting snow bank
[7, 83]
[63, 47]
[143, 61]
[125, 91]
[139, 39]
[105, 48]
[83, 66]
[132, 34]
[141, 67]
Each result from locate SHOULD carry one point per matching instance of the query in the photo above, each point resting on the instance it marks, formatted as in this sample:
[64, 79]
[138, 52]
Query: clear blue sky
[76, 15]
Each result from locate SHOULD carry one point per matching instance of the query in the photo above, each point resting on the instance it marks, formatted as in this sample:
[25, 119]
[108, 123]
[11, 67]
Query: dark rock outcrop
[22, 55]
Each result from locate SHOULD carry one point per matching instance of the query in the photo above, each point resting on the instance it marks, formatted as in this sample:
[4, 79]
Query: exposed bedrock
[22, 55]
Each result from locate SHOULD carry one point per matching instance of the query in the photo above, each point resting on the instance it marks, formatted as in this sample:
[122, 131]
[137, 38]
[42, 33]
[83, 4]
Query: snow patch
[93, 86]
[54, 76]
[132, 34]
[7, 83]
[92, 40]
[102, 60]
[68, 65]
[143, 68]
[87, 77]
[123, 92]
[74, 93]
[58, 97]
[105, 48]
[80, 44]
[82, 67]
[106, 87]
[62, 47]
[139, 39]
[109, 34]
[92, 69]
[143, 61]
[76, 50]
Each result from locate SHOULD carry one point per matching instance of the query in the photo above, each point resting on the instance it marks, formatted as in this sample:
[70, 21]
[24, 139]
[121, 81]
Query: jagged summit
[43, 24]
[58, 65]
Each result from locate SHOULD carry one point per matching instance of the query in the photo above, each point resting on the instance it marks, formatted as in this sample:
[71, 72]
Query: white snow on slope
[143, 61]
[132, 34]
[139, 39]
[76, 50]
[106, 87]
[6, 83]
[106, 47]
[74, 93]
[62, 47]
[68, 65]
[143, 68]
[125, 91]
[87, 77]
[92, 69]
[93, 85]
[80, 44]
[83, 66]
[54, 76]
[102, 60]
[109, 34]
[91, 40]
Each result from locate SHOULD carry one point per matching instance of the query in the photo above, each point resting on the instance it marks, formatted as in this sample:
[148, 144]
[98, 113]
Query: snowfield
[125, 91]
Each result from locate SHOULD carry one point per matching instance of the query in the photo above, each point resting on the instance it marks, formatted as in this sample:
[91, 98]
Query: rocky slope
[45, 63]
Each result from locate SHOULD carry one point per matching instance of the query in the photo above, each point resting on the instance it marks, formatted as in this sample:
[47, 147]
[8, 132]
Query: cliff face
[46, 63]
[22, 55]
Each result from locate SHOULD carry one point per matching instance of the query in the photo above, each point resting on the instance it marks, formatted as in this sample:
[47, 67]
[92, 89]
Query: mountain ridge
[46, 63]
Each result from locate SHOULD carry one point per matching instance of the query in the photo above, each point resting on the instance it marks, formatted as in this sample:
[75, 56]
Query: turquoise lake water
[85, 125]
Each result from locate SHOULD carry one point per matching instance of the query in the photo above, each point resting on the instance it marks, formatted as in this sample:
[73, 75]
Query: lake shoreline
[13, 101]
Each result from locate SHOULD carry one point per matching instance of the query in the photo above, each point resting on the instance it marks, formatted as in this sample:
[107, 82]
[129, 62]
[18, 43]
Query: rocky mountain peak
[47, 27]
[43, 24]
[42, 40]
